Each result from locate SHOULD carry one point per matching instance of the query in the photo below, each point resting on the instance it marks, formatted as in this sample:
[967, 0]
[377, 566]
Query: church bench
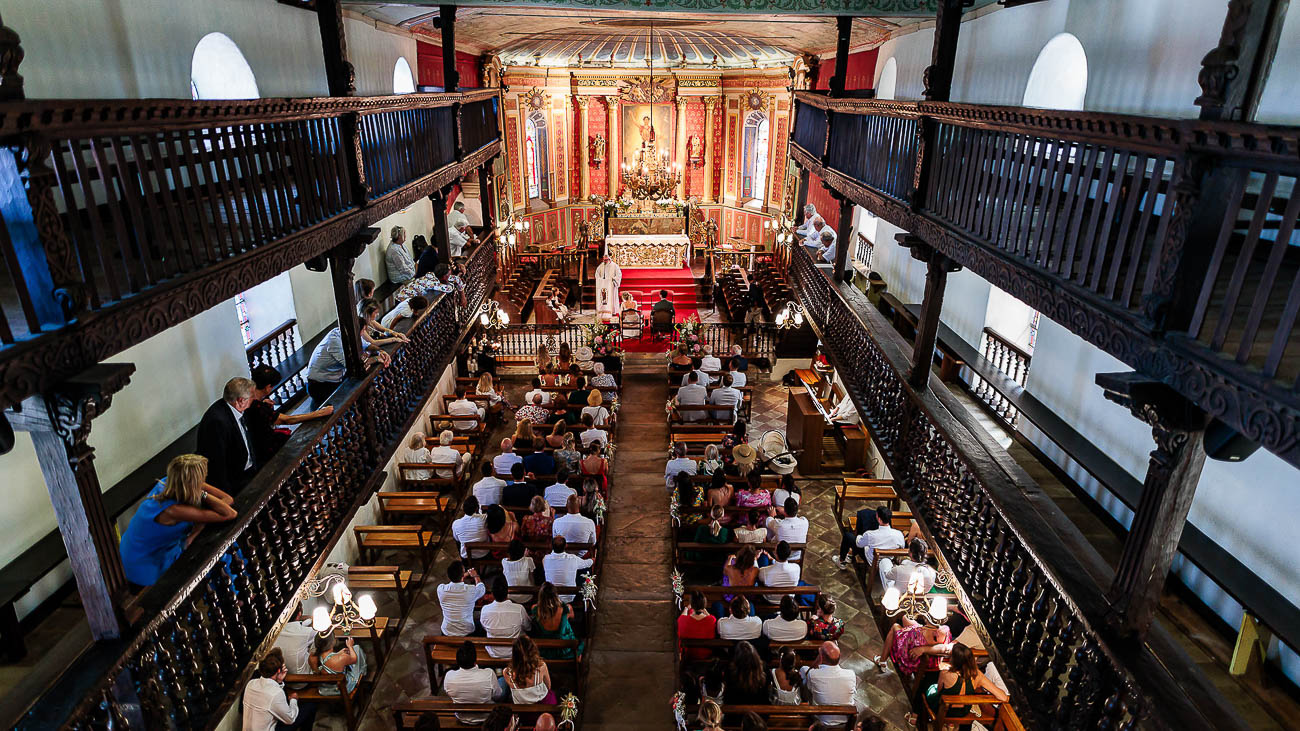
[755, 595]
[406, 479]
[905, 319]
[440, 652]
[406, 715]
[785, 718]
[374, 538]
[983, 708]
[427, 505]
[699, 414]
[348, 703]
[865, 489]
[401, 582]
[719, 552]
[477, 433]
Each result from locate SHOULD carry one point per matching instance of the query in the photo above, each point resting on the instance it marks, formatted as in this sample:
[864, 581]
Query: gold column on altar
[709, 103]
[613, 156]
[583, 146]
[680, 155]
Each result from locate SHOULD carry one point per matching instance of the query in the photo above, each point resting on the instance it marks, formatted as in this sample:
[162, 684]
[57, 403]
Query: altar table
[666, 251]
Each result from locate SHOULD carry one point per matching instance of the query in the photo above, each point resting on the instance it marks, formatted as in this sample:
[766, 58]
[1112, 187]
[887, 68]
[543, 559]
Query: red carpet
[645, 285]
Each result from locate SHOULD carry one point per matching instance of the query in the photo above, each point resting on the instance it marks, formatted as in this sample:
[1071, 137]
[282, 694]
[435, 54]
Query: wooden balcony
[1168, 243]
[125, 217]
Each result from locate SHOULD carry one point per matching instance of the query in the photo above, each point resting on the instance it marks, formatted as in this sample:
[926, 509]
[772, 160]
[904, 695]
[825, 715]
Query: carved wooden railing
[141, 213]
[275, 346]
[478, 123]
[221, 605]
[1140, 234]
[1013, 362]
[1023, 569]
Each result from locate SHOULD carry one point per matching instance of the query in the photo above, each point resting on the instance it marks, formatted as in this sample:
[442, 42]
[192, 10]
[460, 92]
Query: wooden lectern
[803, 431]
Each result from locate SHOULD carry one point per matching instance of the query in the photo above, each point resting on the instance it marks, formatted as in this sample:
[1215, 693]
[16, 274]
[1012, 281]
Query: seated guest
[746, 678]
[574, 526]
[540, 462]
[450, 461]
[558, 494]
[826, 626]
[829, 684]
[744, 457]
[518, 567]
[562, 413]
[417, 452]
[901, 575]
[695, 623]
[223, 438]
[169, 517]
[712, 461]
[739, 435]
[565, 357]
[752, 529]
[534, 411]
[864, 521]
[591, 435]
[327, 367]
[487, 386]
[681, 363]
[487, 491]
[517, 491]
[294, 643]
[708, 361]
[793, 528]
[738, 376]
[664, 305]
[780, 573]
[426, 261]
[595, 407]
[720, 490]
[503, 618]
[826, 246]
[915, 648]
[690, 498]
[884, 536]
[501, 526]
[580, 394]
[753, 494]
[727, 396]
[373, 332]
[542, 359]
[678, 464]
[740, 624]
[464, 407]
[601, 379]
[561, 310]
[401, 268]
[470, 528]
[740, 570]
[703, 378]
[523, 437]
[507, 459]
[787, 685]
[537, 524]
[471, 684]
[568, 455]
[555, 439]
[551, 621]
[692, 394]
[266, 707]
[713, 531]
[738, 360]
[406, 309]
[787, 491]
[786, 626]
[561, 567]
[262, 417]
[537, 388]
[961, 677]
[710, 715]
[595, 466]
[527, 676]
[327, 658]
[457, 598]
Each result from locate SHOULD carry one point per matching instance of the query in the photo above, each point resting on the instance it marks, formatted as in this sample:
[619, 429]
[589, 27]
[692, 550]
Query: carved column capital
[582, 102]
[72, 406]
[11, 56]
[710, 102]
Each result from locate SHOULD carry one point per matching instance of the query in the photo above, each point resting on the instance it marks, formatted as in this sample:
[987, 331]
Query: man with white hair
[458, 237]
[809, 213]
[448, 459]
[826, 252]
[601, 379]
[457, 215]
[708, 361]
[401, 267]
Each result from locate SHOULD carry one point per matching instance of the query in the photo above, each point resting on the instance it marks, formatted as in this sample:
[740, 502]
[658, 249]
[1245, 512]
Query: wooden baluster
[1023, 609]
[189, 670]
[172, 687]
[242, 585]
[219, 623]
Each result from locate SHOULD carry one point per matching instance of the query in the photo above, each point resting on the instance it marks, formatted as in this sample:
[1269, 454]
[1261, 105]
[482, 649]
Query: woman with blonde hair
[568, 456]
[542, 359]
[170, 517]
[523, 432]
[555, 439]
[599, 414]
[710, 715]
[527, 675]
[486, 386]
[712, 461]
[417, 451]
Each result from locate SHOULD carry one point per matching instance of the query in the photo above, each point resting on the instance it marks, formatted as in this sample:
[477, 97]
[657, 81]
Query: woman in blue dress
[170, 517]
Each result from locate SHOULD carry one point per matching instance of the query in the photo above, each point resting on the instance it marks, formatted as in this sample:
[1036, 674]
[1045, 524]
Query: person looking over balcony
[812, 234]
[262, 417]
[457, 215]
[373, 332]
[401, 268]
[406, 309]
[365, 290]
[809, 215]
[169, 518]
[223, 438]
[826, 245]
[459, 236]
[327, 367]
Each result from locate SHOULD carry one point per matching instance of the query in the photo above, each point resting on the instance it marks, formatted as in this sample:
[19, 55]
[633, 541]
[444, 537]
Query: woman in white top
[527, 676]
[740, 625]
[446, 455]
[416, 451]
[752, 529]
[786, 626]
[486, 387]
[912, 568]
[519, 569]
[599, 414]
[787, 684]
[787, 489]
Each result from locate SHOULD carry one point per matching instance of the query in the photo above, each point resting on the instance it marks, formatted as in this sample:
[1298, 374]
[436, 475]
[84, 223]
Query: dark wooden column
[487, 196]
[341, 258]
[59, 424]
[440, 236]
[842, 243]
[938, 87]
[843, 37]
[1178, 427]
[802, 198]
[938, 267]
[341, 78]
[447, 23]
[1233, 74]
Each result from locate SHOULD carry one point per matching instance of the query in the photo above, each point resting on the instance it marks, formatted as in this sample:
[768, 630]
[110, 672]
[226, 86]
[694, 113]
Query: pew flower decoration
[568, 711]
[675, 510]
[679, 710]
[588, 592]
[668, 409]
[598, 507]
[690, 333]
[678, 588]
[602, 339]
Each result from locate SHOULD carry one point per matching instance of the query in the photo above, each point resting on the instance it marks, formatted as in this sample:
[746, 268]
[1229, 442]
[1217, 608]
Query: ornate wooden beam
[341, 258]
[843, 38]
[943, 55]
[447, 24]
[937, 269]
[843, 238]
[1232, 75]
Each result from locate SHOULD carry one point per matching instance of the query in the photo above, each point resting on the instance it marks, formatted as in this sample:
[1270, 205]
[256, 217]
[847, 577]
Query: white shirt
[557, 495]
[475, 685]
[883, 537]
[562, 569]
[403, 309]
[575, 527]
[413, 456]
[456, 241]
[470, 529]
[457, 601]
[295, 643]
[738, 379]
[455, 217]
[845, 411]
[731, 628]
[780, 630]
[725, 396]
[243, 434]
[504, 461]
[807, 224]
[518, 573]
[448, 459]
[503, 619]
[592, 435]
[780, 494]
[750, 535]
[488, 490]
[599, 414]
[899, 575]
[528, 397]
[790, 530]
[702, 378]
[830, 685]
[675, 466]
[779, 574]
[465, 407]
[692, 395]
[710, 363]
[828, 253]
[265, 703]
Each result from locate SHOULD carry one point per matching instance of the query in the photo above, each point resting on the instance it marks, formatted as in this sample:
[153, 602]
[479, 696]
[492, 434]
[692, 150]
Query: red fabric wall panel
[429, 60]
[827, 207]
[861, 73]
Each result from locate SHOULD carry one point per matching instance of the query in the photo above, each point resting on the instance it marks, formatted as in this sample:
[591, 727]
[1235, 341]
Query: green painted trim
[881, 8]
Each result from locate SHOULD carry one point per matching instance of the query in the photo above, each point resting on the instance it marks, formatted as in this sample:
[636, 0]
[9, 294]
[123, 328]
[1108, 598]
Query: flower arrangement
[598, 508]
[601, 338]
[690, 338]
[678, 588]
[588, 592]
[674, 510]
[568, 710]
[679, 710]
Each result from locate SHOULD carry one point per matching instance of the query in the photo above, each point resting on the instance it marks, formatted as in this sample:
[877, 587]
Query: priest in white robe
[609, 276]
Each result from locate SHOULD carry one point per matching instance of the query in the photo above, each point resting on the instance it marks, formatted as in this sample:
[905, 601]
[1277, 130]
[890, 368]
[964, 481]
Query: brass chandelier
[650, 177]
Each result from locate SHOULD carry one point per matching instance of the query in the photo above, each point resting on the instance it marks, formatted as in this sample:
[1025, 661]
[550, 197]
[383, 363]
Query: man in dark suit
[223, 438]
[664, 304]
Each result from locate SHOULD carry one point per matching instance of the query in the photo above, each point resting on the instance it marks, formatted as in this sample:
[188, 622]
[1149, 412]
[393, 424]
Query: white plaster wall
[374, 53]
[904, 275]
[142, 48]
[965, 302]
[1277, 105]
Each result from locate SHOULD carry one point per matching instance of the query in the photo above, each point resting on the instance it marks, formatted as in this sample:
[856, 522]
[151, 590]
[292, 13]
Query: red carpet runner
[644, 284]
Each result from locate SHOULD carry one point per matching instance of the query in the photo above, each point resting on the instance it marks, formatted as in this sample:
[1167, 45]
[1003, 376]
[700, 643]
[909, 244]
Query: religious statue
[491, 70]
[801, 70]
[695, 151]
[609, 276]
[598, 145]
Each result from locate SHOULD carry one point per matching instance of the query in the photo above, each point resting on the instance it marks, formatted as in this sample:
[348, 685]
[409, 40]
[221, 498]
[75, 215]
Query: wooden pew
[406, 479]
[430, 506]
[681, 412]
[755, 594]
[722, 550]
[373, 538]
[785, 718]
[989, 709]
[407, 713]
[349, 703]
[440, 652]
[402, 582]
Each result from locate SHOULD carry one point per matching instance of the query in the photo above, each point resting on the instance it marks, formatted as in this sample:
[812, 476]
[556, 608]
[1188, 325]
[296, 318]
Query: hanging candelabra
[918, 604]
[343, 614]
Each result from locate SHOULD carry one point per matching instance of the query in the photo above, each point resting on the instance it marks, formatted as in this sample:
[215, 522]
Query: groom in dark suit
[223, 438]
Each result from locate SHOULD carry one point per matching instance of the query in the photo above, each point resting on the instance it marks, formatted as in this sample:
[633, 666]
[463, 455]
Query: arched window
[1059, 79]
[535, 146]
[888, 79]
[753, 181]
[218, 70]
[403, 81]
